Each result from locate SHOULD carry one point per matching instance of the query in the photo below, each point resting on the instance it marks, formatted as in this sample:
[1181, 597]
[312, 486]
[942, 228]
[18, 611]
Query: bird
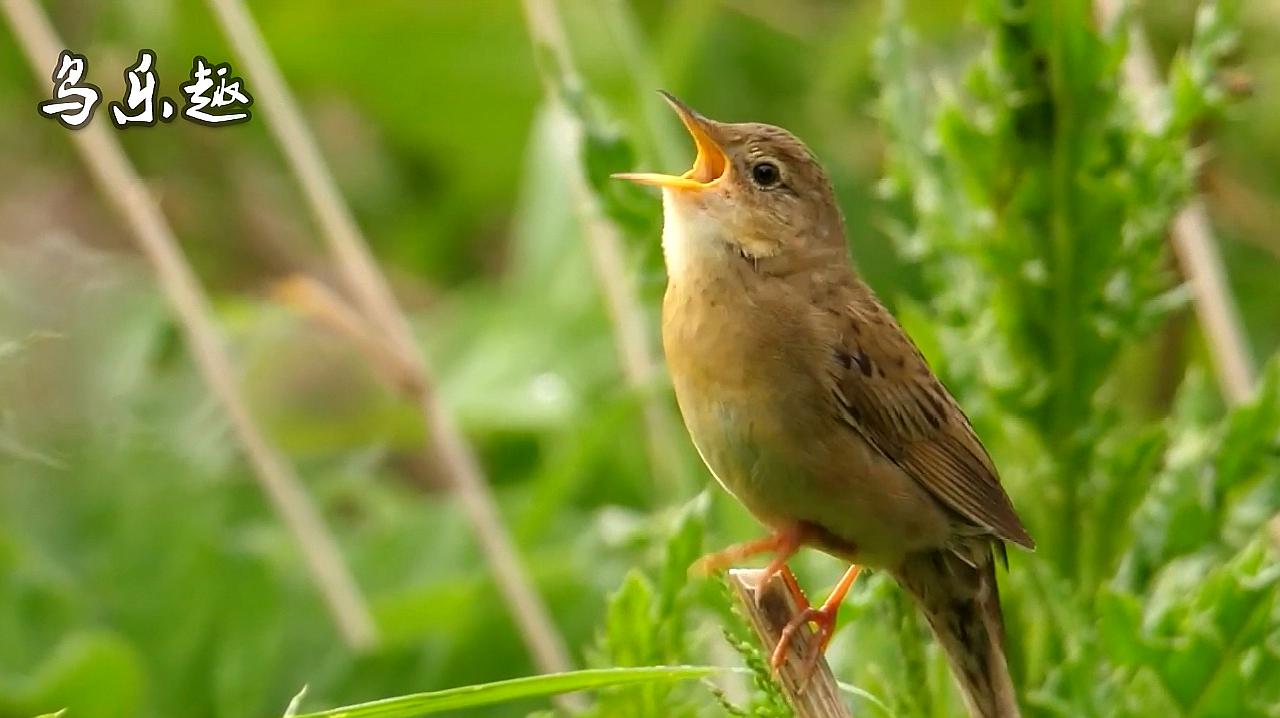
[809, 403]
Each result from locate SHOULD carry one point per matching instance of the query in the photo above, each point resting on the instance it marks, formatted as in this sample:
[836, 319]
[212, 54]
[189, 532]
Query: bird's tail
[962, 604]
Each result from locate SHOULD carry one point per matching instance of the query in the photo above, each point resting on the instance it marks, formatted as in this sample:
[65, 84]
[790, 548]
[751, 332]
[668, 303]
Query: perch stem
[805, 679]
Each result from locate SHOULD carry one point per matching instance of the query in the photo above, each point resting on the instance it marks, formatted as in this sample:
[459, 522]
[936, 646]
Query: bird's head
[754, 191]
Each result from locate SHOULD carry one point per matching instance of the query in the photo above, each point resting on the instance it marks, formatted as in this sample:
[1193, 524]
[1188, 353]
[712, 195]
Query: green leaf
[629, 624]
[682, 549]
[295, 704]
[95, 675]
[420, 704]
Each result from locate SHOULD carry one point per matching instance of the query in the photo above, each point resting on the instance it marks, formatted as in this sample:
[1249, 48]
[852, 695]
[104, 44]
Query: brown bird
[811, 405]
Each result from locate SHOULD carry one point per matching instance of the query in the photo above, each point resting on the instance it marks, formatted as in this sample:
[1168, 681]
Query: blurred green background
[142, 572]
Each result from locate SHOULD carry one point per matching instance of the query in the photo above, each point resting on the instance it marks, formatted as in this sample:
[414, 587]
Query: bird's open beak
[709, 168]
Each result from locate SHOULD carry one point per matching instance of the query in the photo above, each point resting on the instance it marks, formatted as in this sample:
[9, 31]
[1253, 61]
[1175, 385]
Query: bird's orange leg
[793, 587]
[824, 617]
[789, 542]
[783, 544]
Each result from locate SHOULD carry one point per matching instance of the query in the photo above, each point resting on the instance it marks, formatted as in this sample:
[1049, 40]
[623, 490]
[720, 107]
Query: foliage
[1038, 203]
[142, 574]
[646, 624]
[504, 691]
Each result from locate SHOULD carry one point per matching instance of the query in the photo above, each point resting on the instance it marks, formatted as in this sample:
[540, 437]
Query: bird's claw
[825, 619]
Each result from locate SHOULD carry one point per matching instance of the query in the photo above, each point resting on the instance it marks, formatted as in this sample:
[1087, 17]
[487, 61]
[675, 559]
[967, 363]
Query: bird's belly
[864, 508]
[749, 377]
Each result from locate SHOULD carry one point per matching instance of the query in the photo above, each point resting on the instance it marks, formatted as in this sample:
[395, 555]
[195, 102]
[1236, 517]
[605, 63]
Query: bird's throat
[695, 242]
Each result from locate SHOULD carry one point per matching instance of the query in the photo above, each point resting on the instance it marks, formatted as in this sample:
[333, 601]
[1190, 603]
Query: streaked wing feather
[888, 394]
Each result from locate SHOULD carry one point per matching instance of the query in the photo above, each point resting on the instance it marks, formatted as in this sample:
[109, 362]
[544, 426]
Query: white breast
[689, 234]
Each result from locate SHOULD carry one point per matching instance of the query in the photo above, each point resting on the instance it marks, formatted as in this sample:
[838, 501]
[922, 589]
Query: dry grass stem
[1192, 239]
[125, 191]
[819, 695]
[315, 300]
[617, 284]
[376, 303]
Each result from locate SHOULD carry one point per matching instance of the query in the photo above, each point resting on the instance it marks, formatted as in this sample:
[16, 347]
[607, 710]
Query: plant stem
[373, 297]
[640, 366]
[812, 695]
[1192, 239]
[123, 188]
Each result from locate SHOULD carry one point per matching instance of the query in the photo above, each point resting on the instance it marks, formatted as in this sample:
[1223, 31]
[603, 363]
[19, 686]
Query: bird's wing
[886, 392]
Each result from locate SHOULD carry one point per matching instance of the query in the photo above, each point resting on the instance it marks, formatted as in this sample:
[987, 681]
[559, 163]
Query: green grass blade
[420, 704]
[853, 690]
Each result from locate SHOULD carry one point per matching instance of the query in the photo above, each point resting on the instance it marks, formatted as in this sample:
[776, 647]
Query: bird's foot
[783, 543]
[720, 561]
[823, 617]
[778, 566]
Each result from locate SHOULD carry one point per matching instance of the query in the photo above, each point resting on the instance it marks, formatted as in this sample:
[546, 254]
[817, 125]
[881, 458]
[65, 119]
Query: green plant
[140, 574]
[1036, 203]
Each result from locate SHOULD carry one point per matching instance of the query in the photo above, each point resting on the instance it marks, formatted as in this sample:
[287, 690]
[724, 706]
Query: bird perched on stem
[811, 405]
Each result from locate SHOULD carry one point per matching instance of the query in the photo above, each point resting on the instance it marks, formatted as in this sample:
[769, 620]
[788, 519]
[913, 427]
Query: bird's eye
[765, 174]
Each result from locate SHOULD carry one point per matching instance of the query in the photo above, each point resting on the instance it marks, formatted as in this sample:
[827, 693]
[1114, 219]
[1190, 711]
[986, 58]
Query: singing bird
[809, 403]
